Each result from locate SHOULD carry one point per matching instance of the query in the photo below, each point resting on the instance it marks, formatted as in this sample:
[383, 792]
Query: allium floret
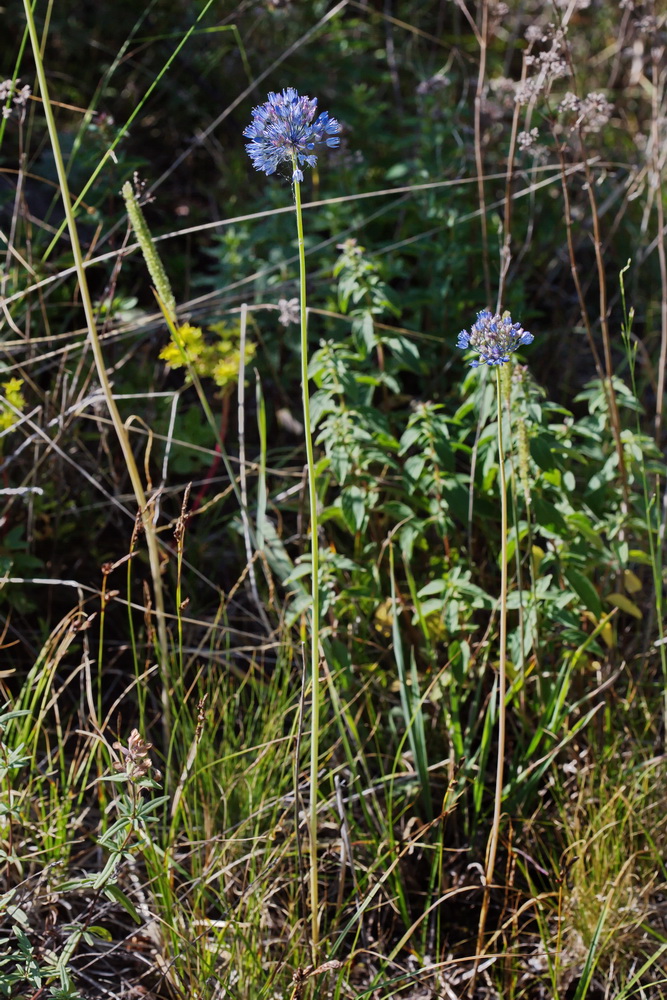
[494, 337]
[283, 130]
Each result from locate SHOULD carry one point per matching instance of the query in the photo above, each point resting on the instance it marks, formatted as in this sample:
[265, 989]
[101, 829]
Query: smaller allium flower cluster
[283, 130]
[494, 337]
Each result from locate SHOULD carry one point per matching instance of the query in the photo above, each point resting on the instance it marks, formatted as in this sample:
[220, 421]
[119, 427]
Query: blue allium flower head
[494, 337]
[283, 130]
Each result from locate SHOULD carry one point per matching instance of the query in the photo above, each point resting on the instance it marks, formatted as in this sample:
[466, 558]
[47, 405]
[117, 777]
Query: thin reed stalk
[506, 249]
[607, 378]
[604, 374]
[119, 426]
[483, 39]
[658, 155]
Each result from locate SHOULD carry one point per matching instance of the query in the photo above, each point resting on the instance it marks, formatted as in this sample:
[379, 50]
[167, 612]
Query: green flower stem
[119, 426]
[315, 576]
[502, 661]
[492, 847]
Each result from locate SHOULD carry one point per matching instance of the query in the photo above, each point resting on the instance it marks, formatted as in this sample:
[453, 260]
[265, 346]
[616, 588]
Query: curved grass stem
[119, 426]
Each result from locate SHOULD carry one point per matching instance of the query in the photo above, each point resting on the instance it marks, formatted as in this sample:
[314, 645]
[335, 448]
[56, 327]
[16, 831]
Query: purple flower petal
[283, 130]
[495, 337]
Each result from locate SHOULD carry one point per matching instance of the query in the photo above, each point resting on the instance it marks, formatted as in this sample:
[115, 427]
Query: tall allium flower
[283, 130]
[494, 337]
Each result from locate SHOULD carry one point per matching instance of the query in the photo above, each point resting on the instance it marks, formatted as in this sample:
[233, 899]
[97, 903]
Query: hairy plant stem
[119, 426]
[492, 846]
[315, 615]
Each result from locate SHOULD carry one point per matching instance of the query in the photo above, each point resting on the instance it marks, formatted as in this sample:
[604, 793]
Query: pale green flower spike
[151, 256]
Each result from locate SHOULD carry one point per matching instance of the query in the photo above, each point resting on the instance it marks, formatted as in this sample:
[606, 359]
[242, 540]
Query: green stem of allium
[502, 661]
[315, 615]
[119, 426]
[492, 847]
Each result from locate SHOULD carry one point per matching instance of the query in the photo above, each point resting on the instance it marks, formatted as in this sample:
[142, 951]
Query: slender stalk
[245, 517]
[654, 535]
[506, 249]
[502, 660]
[614, 415]
[121, 431]
[657, 106]
[483, 39]
[605, 376]
[492, 847]
[608, 380]
[315, 575]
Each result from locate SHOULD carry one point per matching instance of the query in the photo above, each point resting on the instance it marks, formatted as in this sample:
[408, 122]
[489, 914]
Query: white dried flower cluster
[578, 4]
[547, 66]
[557, 33]
[646, 25]
[289, 311]
[527, 140]
[540, 153]
[569, 103]
[500, 98]
[502, 85]
[551, 64]
[534, 33]
[595, 111]
[626, 5]
[527, 91]
[19, 96]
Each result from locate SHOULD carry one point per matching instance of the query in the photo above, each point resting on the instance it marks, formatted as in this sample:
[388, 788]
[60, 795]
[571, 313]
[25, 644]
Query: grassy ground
[480, 809]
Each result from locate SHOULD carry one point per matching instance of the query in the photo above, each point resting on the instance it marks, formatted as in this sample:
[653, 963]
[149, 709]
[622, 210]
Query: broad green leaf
[118, 896]
[584, 526]
[340, 463]
[631, 582]
[542, 454]
[549, 517]
[537, 554]
[408, 438]
[414, 467]
[585, 590]
[434, 587]
[625, 604]
[636, 555]
[353, 505]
